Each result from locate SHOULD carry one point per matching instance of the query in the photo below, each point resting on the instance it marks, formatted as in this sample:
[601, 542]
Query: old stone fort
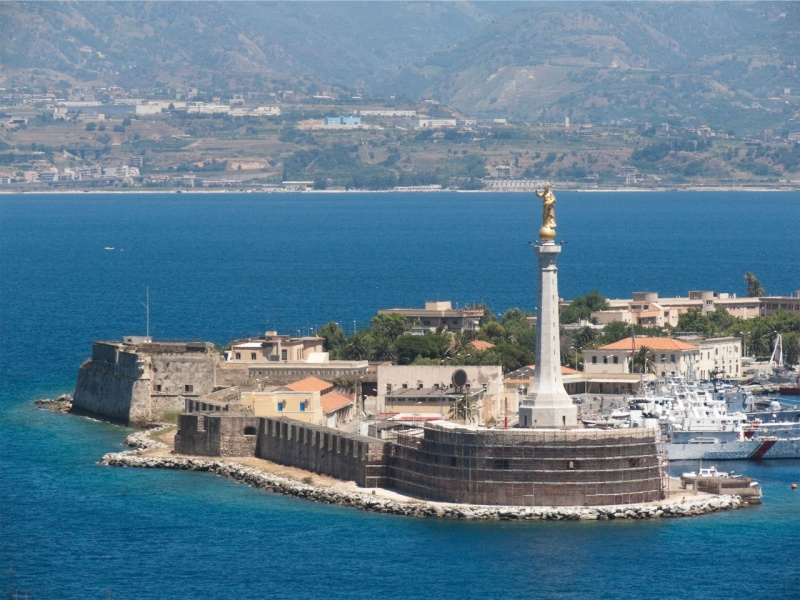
[269, 398]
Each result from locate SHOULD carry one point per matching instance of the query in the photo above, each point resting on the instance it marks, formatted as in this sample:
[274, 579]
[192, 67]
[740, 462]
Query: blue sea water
[221, 266]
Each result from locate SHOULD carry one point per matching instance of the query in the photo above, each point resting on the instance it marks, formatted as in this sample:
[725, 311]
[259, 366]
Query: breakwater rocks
[62, 404]
[372, 502]
[142, 440]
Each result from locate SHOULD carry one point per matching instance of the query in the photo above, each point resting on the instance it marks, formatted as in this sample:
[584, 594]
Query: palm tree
[585, 336]
[640, 359]
[358, 347]
[463, 408]
[754, 287]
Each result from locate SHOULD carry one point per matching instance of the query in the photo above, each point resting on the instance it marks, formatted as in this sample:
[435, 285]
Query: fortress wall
[109, 384]
[323, 450]
[121, 382]
[218, 434]
[528, 468]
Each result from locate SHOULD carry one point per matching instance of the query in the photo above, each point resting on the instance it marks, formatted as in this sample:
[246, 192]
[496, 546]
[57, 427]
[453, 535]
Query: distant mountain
[226, 44]
[722, 63]
[595, 61]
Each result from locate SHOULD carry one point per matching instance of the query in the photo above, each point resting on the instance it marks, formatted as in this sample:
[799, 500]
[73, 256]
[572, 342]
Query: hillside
[718, 62]
[225, 45]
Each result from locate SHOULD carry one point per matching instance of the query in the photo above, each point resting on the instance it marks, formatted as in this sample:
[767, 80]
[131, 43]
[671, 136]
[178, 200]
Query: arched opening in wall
[250, 431]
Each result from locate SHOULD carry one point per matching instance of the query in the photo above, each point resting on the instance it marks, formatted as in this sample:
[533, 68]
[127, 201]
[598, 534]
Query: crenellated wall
[466, 465]
[323, 450]
[217, 434]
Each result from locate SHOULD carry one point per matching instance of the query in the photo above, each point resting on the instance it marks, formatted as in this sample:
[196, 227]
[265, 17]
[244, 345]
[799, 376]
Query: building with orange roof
[337, 408]
[699, 358]
[481, 345]
[310, 384]
[668, 355]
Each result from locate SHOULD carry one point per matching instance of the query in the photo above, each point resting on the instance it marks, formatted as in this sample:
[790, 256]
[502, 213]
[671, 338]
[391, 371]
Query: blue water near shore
[222, 266]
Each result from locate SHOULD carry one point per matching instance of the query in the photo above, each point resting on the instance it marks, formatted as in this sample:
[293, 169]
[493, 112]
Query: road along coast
[150, 453]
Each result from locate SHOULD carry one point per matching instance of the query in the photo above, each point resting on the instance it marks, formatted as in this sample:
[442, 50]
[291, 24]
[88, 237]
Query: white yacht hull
[736, 450]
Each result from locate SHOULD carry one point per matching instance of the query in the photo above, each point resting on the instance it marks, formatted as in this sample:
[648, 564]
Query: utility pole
[147, 311]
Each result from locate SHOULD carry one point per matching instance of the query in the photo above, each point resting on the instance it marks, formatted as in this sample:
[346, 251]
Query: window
[594, 360]
[605, 360]
[250, 431]
[283, 355]
[672, 358]
[663, 357]
[502, 464]
[188, 387]
[158, 387]
[405, 386]
[302, 407]
[388, 388]
[252, 356]
[238, 356]
[280, 406]
[616, 360]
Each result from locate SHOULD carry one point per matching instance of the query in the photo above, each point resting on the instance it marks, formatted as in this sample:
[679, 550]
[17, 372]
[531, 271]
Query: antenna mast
[147, 310]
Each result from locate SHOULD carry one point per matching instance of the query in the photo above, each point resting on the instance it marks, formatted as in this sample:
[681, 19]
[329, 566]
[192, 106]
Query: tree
[333, 335]
[389, 327]
[694, 320]
[463, 409]
[615, 331]
[641, 358]
[583, 306]
[492, 332]
[358, 347]
[384, 350]
[516, 324]
[791, 348]
[410, 347]
[584, 337]
[754, 287]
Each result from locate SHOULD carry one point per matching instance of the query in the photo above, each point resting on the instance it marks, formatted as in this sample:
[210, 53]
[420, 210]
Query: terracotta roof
[481, 345]
[334, 401]
[654, 343]
[309, 384]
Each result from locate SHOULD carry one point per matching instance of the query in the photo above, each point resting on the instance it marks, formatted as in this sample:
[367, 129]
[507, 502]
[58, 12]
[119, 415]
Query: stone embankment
[370, 501]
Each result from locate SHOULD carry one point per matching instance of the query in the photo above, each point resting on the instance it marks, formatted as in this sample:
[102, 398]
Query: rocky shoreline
[369, 501]
[62, 404]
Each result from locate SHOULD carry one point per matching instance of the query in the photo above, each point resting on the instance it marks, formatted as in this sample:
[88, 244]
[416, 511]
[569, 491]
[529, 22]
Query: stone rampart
[323, 450]
[217, 434]
[579, 467]
[141, 384]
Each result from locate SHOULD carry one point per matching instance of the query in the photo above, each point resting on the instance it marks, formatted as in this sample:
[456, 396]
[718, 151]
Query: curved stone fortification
[528, 467]
[363, 500]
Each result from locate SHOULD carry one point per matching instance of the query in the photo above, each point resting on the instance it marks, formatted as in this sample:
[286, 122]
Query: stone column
[547, 403]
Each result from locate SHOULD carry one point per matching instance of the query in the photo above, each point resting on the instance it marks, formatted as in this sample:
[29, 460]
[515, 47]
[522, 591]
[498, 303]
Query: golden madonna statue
[548, 231]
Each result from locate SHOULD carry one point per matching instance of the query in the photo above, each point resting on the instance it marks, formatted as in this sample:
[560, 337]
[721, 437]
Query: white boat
[696, 425]
[701, 473]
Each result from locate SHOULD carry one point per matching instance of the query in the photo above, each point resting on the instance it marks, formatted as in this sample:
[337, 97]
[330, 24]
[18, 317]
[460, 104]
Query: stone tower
[547, 404]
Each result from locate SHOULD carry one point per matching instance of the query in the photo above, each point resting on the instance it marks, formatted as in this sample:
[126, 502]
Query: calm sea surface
[222, 266]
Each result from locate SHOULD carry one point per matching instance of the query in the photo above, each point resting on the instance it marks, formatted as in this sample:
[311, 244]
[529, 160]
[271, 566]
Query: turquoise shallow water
[220, 266]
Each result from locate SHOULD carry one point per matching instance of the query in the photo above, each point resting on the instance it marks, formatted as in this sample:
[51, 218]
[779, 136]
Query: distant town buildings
[440, 314]
[649, 310]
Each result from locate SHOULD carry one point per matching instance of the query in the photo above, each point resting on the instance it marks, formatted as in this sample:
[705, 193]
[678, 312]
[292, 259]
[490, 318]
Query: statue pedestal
[548, 404]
